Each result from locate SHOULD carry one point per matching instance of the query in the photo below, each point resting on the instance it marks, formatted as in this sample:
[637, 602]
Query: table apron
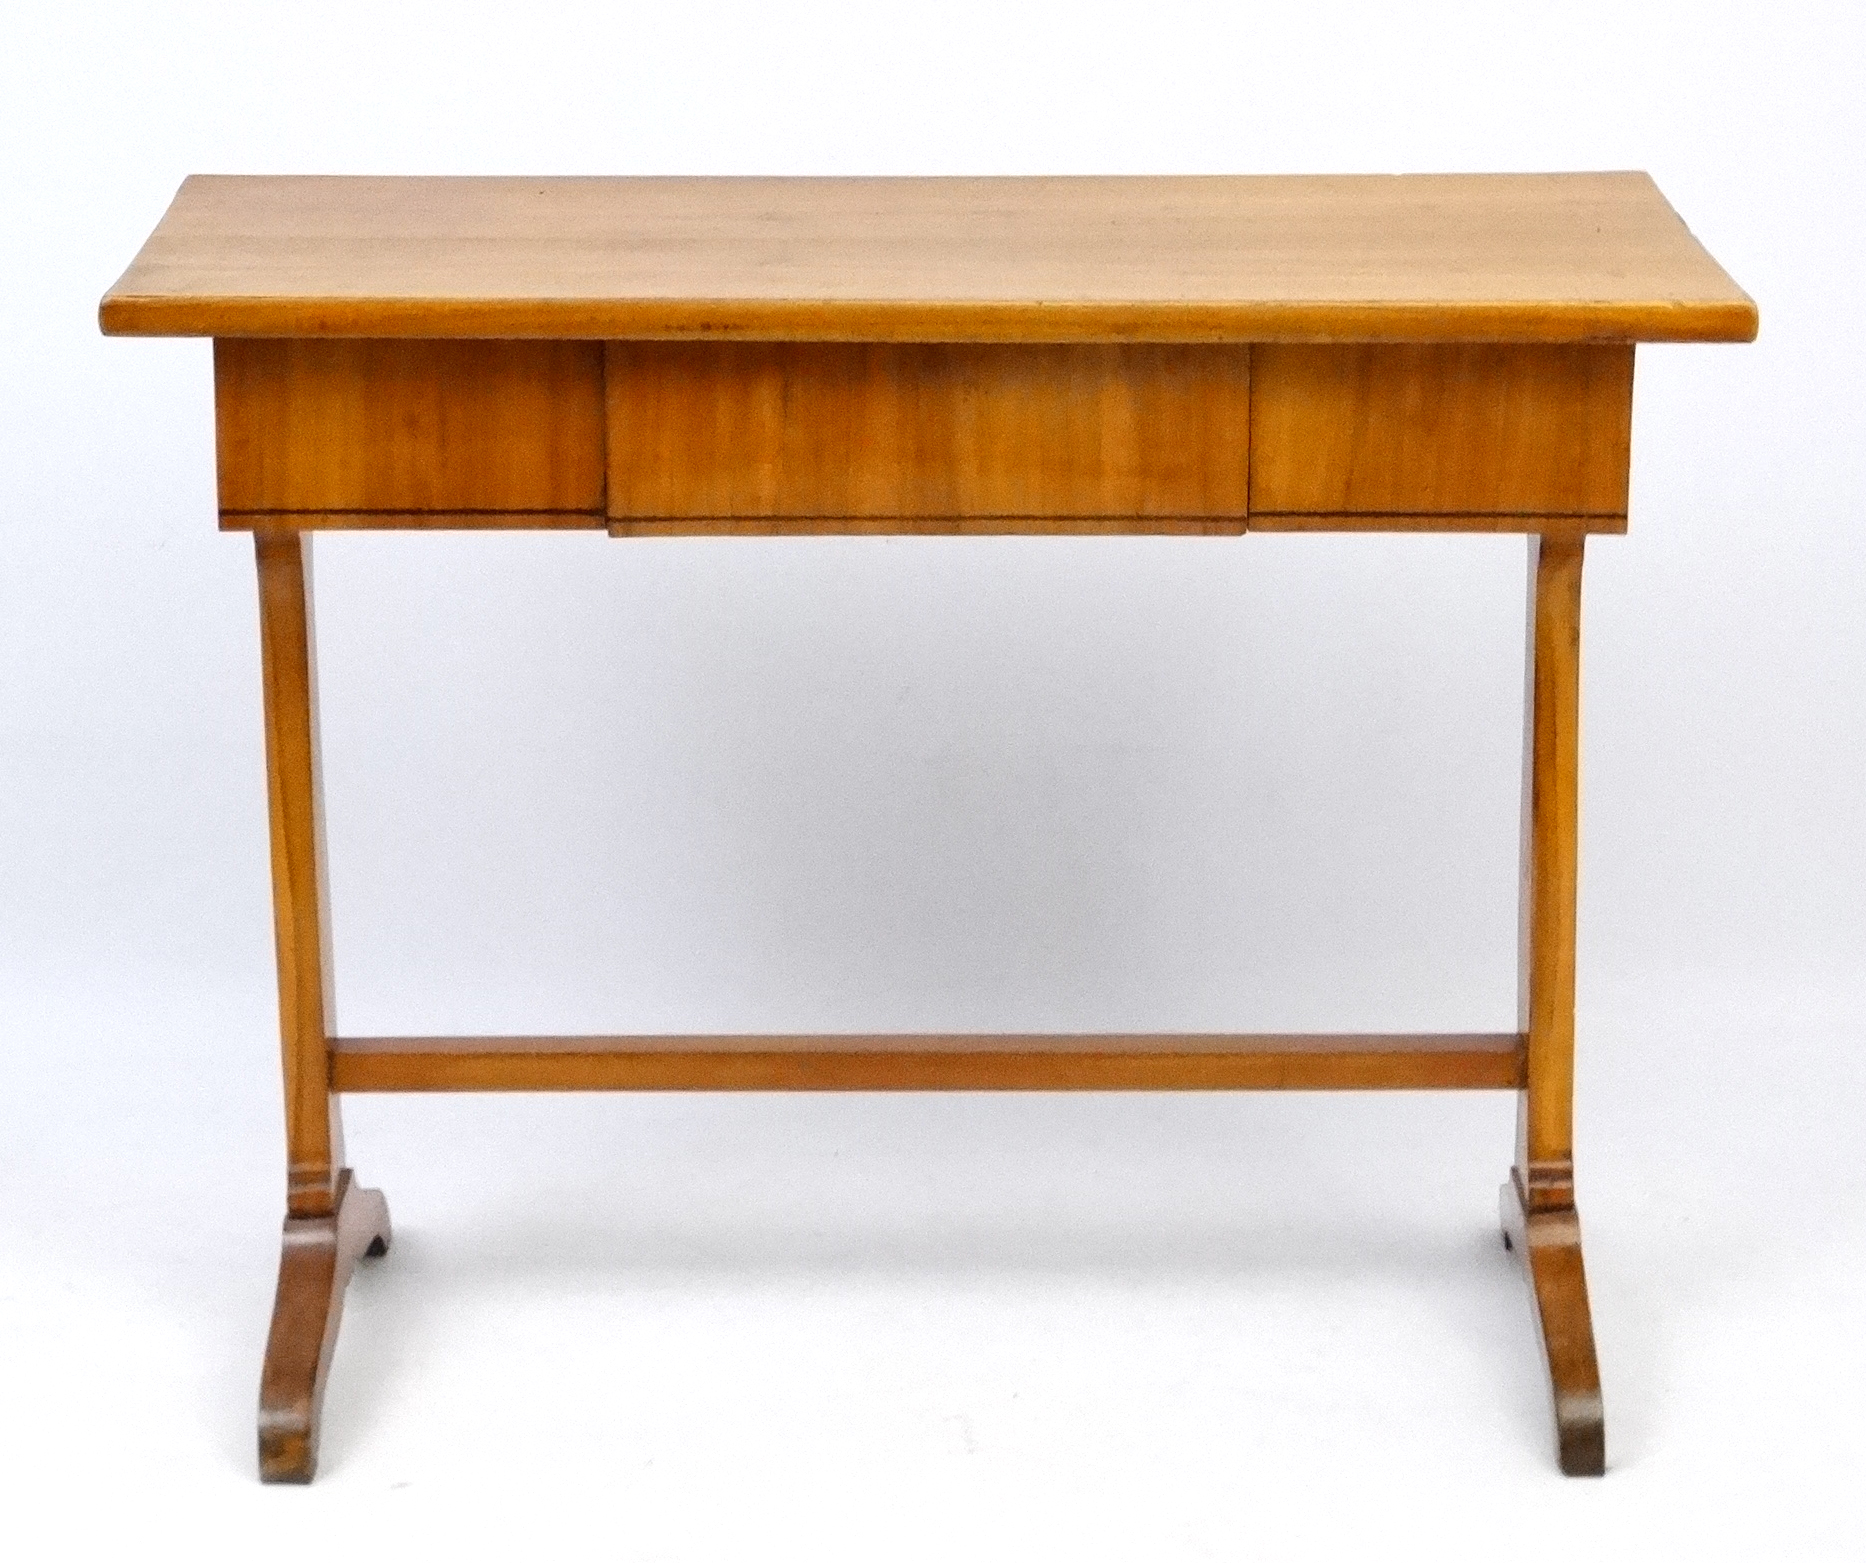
[796, 438]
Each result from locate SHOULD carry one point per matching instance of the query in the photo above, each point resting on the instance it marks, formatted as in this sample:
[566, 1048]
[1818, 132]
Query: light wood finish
[1465, 428]
[316, 1259]
[666, 357]
[941, 526]
[934, 1062]
[1454, 522]
[413, 520]
[788, 439]
[775, 431]
[1540, 1218]
[1482, 257]
[1551, 823]
[313, 1127]
[409, 426]
[1549, 1244]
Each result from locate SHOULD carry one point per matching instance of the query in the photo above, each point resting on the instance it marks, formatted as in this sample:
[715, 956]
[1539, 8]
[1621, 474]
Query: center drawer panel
[835, 431]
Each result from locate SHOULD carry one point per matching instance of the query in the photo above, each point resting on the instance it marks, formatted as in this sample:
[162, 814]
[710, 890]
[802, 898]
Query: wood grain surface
[794, 430]
[1454, 521]
[1549, 1244]
[1540, 1219]
[1432, 353]
[939, 1062]
[1550, 870]
[387, 426]
[1457, 257]
[317, 1255]
[300, 905]
[1464, 428]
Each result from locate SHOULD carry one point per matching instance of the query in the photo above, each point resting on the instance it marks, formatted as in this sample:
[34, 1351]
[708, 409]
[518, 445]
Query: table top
[1461, 257]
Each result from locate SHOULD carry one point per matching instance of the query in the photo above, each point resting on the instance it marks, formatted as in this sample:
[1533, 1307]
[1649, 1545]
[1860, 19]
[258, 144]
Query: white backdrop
[576, 784]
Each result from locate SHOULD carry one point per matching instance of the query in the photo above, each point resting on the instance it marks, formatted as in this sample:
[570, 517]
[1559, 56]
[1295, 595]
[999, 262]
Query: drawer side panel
[383, 426]
[1441, 429]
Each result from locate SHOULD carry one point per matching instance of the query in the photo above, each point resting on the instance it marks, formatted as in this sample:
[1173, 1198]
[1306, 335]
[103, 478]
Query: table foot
[1549, 1244]
[317, 1257]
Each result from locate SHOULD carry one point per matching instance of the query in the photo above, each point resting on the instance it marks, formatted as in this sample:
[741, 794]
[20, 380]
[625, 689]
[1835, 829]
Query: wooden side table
[651, 357]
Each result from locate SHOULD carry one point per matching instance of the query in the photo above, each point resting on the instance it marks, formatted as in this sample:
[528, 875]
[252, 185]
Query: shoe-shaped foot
[1549, 1244]
[315, 1262]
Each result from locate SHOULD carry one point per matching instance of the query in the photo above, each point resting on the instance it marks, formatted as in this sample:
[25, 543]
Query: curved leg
[318, 1256]
[1539, 1218]
[1549, 1244]
[330, 1223]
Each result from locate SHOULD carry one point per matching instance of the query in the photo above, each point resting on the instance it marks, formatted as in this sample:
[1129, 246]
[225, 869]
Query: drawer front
[799, 432]
[1440, 430]
[435, 427]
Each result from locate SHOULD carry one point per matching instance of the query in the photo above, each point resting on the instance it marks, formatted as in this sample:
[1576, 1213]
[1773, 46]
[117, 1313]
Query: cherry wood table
[656, 357]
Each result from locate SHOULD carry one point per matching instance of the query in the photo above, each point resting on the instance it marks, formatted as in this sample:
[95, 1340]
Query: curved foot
[1549, 1242]
[318, 1255]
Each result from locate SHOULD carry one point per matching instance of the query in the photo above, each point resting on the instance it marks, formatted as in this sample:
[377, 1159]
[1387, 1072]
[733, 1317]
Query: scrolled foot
[1549, 1242]
[316, 1259]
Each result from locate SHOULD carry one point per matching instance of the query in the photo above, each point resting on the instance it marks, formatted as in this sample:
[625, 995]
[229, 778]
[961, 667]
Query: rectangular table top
[1477, 257]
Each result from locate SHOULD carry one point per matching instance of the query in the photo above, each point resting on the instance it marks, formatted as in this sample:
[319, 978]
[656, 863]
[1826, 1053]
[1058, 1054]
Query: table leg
[1539, 1217]
[329, 1222]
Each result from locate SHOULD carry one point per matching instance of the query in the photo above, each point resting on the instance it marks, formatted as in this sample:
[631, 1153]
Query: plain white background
[578, 784]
